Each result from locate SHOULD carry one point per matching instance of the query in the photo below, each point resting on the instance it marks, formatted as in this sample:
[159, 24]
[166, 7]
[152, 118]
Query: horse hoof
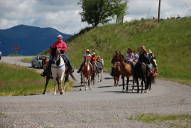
[61, 93]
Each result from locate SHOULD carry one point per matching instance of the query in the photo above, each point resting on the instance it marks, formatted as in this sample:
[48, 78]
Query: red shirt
[93, 59]
[59, 44]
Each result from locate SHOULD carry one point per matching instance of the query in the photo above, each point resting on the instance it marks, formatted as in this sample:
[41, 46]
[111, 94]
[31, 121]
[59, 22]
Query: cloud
[64, 14]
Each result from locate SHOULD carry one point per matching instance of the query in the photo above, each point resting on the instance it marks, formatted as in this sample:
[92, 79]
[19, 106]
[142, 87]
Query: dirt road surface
[104, 106]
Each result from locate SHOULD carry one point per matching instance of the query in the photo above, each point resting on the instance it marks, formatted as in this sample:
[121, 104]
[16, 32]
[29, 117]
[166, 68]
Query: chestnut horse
[126, 72]
[116, 73]
[86, 73]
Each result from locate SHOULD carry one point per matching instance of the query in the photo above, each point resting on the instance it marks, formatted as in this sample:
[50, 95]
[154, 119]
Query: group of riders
[144, 56]
[94, 60]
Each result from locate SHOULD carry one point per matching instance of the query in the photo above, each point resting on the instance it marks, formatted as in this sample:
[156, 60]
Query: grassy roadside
[172, 121]
[15, 80]
[170, 41]
[27, 59]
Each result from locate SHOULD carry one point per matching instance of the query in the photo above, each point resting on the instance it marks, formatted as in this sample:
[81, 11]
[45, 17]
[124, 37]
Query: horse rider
[152, 59]
[143, 55]
[62, 46]
[100, 60]
[131, 57]
[93, 58]
[86, 55]
[116, 58]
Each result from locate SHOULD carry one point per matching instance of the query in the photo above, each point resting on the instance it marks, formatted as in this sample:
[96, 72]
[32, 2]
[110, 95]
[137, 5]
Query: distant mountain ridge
[29, 40]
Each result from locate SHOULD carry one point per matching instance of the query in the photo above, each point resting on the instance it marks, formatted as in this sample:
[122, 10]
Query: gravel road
[104, 106]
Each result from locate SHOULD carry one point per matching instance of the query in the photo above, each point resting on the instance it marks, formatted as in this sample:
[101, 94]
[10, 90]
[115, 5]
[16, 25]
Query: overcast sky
[64, 14]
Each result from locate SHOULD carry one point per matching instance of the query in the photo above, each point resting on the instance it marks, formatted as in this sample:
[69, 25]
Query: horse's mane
[53, 52]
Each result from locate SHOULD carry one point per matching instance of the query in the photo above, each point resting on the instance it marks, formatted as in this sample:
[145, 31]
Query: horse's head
[56, 54]
[45, 62]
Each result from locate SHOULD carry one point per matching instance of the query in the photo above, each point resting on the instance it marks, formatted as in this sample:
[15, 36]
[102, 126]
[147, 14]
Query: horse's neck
[87, 61]
[61, 61]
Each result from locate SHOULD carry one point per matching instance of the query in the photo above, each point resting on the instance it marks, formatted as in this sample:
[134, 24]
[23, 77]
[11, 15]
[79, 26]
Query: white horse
[58, 70]
[100, 73]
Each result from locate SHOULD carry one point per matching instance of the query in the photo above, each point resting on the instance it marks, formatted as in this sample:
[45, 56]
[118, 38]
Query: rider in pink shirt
[62, 46]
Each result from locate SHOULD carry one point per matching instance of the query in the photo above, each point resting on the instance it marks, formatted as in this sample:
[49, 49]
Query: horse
[116, 73]
[48, 76]
[141, 71]
[152, 73]
[93, 72]
[126, 72]
[100, 65]
[86, 73]
[58, 69]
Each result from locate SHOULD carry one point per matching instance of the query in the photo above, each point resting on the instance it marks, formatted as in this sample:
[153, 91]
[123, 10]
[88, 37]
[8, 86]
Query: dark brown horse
[86, 73]
[116, 73]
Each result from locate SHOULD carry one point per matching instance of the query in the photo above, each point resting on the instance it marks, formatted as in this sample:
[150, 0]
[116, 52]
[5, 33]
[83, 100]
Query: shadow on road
[107, 86]
[108, 78]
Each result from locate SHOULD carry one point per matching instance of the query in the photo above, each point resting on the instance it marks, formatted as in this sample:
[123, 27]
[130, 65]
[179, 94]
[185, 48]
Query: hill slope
[170, 41]
[31, 40]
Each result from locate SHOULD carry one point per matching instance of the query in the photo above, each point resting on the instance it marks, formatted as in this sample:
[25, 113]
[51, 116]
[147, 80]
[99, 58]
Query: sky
[64, 16]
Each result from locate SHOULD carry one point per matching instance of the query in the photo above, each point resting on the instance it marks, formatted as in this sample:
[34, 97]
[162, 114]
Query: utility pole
[159, 11]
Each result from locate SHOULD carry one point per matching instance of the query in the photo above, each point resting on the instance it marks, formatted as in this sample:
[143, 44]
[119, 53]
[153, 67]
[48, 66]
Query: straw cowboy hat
[87, 50]
[149, 51]
[143, 48]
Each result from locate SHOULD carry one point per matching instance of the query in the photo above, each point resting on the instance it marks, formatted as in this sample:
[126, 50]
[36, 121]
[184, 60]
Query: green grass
[170, 41]
[27, 59]
[15, 80]
[175, 121]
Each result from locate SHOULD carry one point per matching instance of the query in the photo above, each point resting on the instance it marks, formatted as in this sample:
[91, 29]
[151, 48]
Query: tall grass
[170, 41]
[15, 80]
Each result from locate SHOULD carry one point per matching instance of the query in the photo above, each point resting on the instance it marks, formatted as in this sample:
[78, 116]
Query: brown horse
[126, 71]
[116, 73]
[86, 73]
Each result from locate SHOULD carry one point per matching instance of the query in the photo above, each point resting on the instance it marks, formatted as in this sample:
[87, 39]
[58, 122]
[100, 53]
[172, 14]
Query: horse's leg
[85, 82]
[143, 83]
[133, 83]
[93, 78]
[137, 81]
[81, 82]
[114, 81]
[123, 81]
[127, 83]
[89, 82]
[98, 77]
[55, 82]
[47, 81]
[60, 85]
[101, 75]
